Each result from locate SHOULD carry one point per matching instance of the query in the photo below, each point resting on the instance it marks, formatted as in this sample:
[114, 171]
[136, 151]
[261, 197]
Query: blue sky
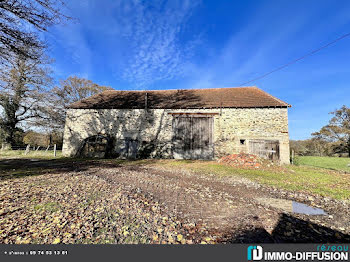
[189, 44]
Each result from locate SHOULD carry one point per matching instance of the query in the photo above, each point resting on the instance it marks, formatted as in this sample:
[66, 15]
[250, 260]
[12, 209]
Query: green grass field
[334, 163]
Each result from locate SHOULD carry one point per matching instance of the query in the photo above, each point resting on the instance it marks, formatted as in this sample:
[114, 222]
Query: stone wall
[153, 128]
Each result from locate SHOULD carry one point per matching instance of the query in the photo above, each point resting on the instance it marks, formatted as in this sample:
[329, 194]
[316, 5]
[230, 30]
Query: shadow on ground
[16, 168]
[290, 229]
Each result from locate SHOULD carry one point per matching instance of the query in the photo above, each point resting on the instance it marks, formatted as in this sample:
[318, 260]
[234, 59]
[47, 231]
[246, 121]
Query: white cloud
[154, 35]
[140, 42]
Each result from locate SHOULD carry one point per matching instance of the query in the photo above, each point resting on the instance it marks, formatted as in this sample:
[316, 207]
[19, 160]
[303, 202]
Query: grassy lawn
[335, 163]
[298, 178]
[32, 154]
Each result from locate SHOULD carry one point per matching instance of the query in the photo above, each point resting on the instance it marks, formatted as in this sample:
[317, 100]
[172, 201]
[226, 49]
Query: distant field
[335, 163]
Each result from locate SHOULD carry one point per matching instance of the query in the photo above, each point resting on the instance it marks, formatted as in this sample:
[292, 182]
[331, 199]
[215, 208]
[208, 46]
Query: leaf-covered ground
[110, 201]
[78, 208]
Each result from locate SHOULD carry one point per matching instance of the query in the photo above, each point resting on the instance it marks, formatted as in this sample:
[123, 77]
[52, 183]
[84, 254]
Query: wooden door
[268, 149]
[193, 137]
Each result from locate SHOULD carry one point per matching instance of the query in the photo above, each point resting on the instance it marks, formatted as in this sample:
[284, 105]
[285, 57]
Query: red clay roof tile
[241, 97]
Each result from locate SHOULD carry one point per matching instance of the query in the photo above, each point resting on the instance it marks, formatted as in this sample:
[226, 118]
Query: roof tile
[245, 97]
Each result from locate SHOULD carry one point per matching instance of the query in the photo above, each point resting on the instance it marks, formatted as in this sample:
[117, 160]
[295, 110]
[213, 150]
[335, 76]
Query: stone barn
[180, 124]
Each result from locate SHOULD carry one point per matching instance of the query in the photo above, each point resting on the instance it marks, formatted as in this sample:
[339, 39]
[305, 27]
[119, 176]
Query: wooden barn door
[268, 149]
[193, 137]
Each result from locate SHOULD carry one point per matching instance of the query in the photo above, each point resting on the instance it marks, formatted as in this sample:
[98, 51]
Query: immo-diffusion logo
[324, 252]
[255, 253]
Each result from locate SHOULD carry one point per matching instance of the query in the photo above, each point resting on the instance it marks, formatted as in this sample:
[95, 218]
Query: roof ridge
[178, 89]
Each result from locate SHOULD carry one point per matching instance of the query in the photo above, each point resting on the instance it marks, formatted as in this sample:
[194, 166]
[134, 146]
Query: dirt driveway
[231, 209]
[234, 208]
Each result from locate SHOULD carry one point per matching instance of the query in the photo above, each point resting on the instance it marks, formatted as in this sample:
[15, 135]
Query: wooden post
[37, 148]
[27, 150]
[292, 156]
[54, 150]
[47, 148]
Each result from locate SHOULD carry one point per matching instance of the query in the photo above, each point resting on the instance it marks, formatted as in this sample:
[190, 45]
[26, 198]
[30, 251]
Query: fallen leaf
[56, 241]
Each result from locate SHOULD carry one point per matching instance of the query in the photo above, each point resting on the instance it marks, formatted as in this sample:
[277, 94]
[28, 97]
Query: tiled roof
[233, 97]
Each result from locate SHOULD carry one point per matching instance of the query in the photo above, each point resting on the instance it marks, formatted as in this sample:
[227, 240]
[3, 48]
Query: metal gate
[268, 149]
[193, 137]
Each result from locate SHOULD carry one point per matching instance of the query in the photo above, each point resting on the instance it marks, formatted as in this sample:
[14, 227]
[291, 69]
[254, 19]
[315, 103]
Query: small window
[242, 141]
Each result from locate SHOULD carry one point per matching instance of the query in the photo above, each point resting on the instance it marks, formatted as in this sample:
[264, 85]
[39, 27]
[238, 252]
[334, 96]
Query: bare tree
[20, 20]
[69, 91]
[23, 85]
